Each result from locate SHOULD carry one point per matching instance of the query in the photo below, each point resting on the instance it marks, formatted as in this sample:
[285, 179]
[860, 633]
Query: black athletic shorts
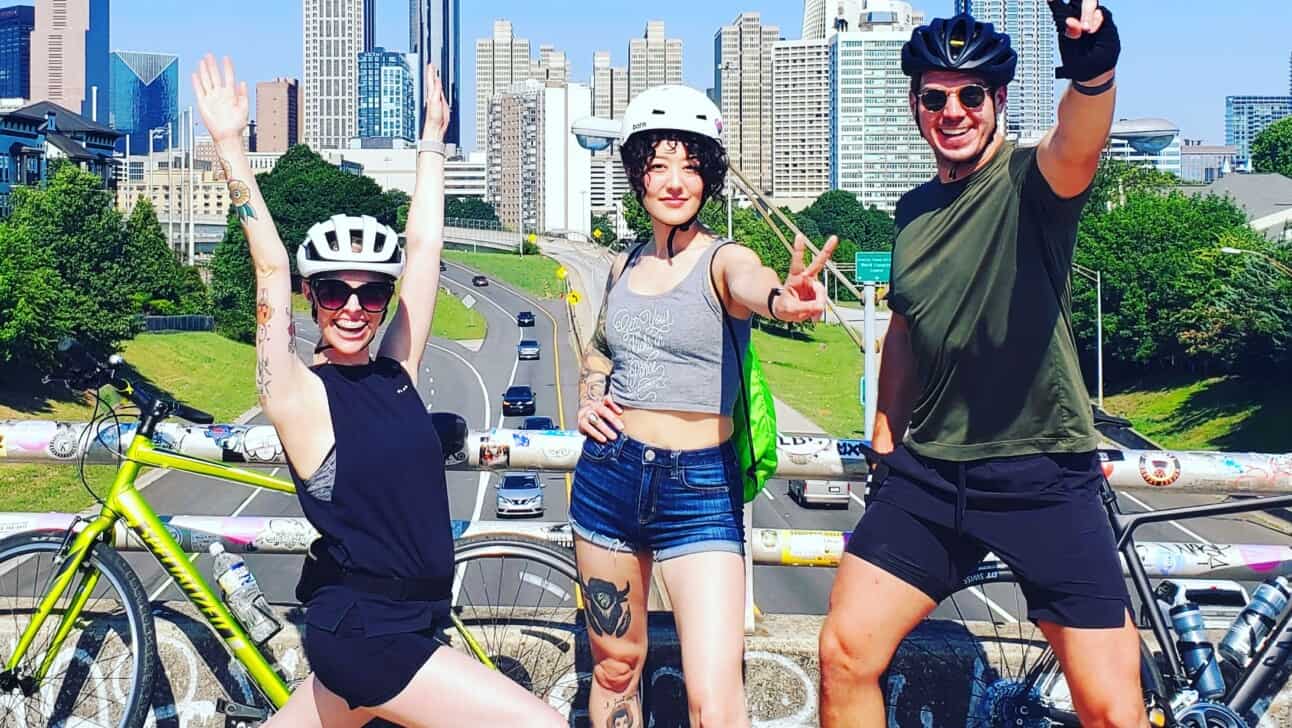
[365, 670]
[1040, 514]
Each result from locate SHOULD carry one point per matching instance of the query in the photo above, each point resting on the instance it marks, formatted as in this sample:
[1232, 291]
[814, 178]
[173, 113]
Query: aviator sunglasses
[333, 294]
[971, 96]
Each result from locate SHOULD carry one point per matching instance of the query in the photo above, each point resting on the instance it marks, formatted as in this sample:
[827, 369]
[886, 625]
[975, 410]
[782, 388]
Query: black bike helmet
[960, 44]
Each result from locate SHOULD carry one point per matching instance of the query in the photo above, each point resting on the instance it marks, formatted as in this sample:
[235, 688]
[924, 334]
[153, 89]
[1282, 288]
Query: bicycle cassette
[1209, 715]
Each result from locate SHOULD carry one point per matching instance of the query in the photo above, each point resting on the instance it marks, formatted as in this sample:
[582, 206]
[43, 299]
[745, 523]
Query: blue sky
[1180, 59]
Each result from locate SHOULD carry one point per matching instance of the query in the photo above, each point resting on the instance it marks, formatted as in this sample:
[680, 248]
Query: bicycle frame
[125, 501]
[1241, 696]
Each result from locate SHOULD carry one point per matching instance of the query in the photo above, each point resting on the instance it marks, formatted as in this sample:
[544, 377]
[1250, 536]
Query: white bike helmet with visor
[674, 109]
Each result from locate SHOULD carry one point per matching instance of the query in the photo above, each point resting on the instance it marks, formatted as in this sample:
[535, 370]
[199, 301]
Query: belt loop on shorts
[961, 498]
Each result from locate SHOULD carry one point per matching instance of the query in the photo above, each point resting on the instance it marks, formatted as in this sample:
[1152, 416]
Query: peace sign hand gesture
[1089, 43]
[803, 295]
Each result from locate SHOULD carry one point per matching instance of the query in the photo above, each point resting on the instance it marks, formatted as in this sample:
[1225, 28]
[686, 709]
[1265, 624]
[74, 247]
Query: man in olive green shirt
[981, 375]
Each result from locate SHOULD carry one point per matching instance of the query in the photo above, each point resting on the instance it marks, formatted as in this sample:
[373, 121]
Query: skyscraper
[16, 25]
[335, 34]
[876, 151]
[742, 81]
[551, 67]
[800, 118]
[501, 61]
[609, 87]
[278, 110]
[814, 19]
[435, 38]
[653, 59]
[386, 96]
[145, 95]
[1246, 117]
[1030, 111]
[69, 56]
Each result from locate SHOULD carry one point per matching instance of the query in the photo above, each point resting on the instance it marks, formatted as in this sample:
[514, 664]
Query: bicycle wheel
[102, 675]
[515, 595]
[1008, 673]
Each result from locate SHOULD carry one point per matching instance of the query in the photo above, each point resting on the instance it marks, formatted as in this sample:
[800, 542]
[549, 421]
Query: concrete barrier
[941, 676]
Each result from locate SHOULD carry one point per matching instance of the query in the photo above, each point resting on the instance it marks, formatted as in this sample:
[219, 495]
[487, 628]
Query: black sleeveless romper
[384, 513]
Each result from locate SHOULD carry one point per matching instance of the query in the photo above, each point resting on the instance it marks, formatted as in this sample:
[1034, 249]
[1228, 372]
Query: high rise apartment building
[653, 59]
[876, 151]
[69, 56]
[16, 25]
[742, 82]
[1030, 110]
[336, 33]
[800, 118]
[502, 60]
[609, 87]
[814, 20]
[386, 96]
[551, 66]
[278, 114]
[1246, 117]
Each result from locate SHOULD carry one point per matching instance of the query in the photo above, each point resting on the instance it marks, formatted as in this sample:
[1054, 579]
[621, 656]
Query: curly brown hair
[638, 152]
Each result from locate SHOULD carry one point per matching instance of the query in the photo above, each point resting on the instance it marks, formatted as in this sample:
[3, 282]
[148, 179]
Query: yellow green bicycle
[78, 646]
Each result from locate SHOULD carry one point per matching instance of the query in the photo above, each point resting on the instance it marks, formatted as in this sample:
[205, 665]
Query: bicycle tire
[116, 615]
[534, 644]
[1016, 679]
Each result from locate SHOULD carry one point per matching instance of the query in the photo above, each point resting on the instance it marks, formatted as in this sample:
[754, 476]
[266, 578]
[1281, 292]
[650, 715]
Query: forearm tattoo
[607, 607]
[291, 332]
[264, 313]
[622, 712]
[239, 193]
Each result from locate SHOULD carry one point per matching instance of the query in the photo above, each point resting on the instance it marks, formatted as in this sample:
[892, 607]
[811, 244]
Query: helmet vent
[332, 244]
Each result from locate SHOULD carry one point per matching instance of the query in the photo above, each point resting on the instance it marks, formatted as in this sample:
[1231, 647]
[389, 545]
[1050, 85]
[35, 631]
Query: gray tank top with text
[671, 351]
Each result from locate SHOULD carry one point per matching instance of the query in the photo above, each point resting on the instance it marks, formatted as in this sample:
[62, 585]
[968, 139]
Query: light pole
[151, 171]
[1268, 258]
[170, 187]
[1098, 278]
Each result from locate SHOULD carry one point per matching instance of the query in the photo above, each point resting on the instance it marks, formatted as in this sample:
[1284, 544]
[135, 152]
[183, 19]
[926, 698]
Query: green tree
[1272, 148]
[838, 212]
[33, 314]
[470, 208]
[603, 230]
[233, 285]
[75, 220]
[151, 272]
[1117, 178]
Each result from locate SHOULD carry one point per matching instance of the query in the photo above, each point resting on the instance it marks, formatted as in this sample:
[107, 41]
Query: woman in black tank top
[365, 457]
[658, 481]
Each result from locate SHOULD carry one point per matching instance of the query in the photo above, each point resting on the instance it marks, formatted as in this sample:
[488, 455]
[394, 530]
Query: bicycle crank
[1209, 715]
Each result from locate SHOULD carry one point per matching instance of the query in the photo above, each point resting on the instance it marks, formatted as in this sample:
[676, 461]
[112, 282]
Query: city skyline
[1174, 46]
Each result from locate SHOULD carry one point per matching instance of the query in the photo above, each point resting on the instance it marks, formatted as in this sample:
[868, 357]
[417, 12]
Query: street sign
[872, 267]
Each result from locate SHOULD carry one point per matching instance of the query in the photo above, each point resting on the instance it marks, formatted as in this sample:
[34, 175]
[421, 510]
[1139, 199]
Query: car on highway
[820, 492]
[525, 318]
[527, 349]
[518, 400]
[479, 281]
[538, 423]
[519, 494]
[443, 267]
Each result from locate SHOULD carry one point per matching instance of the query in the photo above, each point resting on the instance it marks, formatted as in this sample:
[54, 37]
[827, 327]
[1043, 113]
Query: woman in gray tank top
[658, 480]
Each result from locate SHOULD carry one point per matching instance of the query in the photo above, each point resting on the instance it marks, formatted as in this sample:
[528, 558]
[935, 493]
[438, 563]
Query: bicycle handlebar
[82, 371]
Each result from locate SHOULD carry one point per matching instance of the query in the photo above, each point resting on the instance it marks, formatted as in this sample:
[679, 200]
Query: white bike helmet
[676, 108]
[347, 242]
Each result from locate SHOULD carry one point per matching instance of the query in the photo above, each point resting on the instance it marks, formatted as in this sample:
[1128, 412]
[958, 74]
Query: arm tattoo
[621, 712]
[607, 607]
[264, 312]
[291, 332]
[239, 194]
[262, 377]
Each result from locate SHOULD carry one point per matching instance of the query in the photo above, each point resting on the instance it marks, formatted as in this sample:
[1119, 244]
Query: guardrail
[770, 546]
[800, 455]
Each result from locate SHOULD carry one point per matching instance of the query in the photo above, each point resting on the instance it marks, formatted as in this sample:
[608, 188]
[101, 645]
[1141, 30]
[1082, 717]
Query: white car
[519, 494]
[821, 492]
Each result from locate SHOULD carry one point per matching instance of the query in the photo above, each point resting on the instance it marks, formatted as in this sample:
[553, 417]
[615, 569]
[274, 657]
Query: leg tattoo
[607, 607]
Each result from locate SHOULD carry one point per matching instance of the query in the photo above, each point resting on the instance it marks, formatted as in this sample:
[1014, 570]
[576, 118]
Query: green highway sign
[873, 267]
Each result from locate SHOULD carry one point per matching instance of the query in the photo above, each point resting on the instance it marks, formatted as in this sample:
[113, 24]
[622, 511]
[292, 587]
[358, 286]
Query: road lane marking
[1147, 507]
[768, 492]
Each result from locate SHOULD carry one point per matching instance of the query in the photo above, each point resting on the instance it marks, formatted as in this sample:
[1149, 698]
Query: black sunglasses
[972, 96]
[333, 294]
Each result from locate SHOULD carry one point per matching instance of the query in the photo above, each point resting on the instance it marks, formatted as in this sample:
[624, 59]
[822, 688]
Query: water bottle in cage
[1196, 651]
[1255, 621]
[243, 596]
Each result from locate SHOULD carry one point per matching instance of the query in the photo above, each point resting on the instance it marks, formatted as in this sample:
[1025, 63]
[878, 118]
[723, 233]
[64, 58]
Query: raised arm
[754, 287]
[284, 384]
[405, 339]
[1068, 155]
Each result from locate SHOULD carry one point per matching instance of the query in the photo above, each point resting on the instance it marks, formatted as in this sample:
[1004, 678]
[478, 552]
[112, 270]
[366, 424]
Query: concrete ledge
[941, 675]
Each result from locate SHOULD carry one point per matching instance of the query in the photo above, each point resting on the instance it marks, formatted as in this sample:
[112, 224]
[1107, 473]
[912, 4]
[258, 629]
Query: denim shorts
[631, 496]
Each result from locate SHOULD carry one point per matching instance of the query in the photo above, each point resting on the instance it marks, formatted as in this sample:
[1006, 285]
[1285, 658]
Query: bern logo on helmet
[639, 125]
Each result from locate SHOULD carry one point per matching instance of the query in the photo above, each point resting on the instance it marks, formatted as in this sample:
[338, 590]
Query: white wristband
[433, 146]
